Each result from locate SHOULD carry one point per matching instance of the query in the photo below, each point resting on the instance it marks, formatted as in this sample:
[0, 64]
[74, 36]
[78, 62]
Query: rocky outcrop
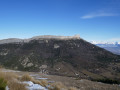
[16, 40]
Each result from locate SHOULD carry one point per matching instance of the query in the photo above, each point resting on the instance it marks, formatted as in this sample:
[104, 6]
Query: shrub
[26, 77]
[15, 85]
[57, 86]
[43, 83]
[10, 79]
[8, 76]
[3, 84]
[108, 81]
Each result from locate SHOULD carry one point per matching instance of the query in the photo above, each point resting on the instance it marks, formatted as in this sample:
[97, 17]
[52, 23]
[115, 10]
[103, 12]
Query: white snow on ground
[32, 86]
[6, 88]
[42, 78]
[5, 70]
[33, 75]
[38, 77]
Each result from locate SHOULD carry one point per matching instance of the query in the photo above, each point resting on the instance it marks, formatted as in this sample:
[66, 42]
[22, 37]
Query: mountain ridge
[68, 57]
[18, 40]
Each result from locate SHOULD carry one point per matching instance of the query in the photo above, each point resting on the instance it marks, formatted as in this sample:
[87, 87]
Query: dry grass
[72, 88]
[15, 85]
[60, 86]
[57, 86]
[26, 77]
[43, 83]
[8, 76]
[1, 66]
[12, 81]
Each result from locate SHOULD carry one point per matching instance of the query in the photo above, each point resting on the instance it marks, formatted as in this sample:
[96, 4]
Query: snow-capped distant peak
[106, 44]
[118, 42]
[94, 42]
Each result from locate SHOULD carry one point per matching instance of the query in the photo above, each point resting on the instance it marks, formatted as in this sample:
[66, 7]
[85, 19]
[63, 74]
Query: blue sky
[97, 20]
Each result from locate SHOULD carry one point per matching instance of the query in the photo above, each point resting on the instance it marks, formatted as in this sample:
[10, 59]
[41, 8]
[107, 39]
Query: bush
[26, 77]
[108, 81]
[8, 76]
[44, 83]
[15, 85]
[3, 84]
[10, 79]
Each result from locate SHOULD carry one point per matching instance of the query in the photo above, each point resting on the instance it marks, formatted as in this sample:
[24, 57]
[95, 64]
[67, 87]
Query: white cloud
[94, 15]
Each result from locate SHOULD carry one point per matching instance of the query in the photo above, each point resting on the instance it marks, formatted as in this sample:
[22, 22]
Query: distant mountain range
[113, 47]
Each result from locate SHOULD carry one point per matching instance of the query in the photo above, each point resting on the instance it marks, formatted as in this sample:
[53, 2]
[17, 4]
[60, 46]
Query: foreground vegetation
[108, 81]
[3, 84]
[12, 80]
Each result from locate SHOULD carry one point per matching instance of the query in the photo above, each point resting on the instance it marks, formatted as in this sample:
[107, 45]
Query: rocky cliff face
[16, 40]
[71, 56]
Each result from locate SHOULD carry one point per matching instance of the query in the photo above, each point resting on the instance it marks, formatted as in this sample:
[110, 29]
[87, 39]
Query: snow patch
[32, 86]
[42, 78]
[6, 88]
[4, 70]
[33, 75]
